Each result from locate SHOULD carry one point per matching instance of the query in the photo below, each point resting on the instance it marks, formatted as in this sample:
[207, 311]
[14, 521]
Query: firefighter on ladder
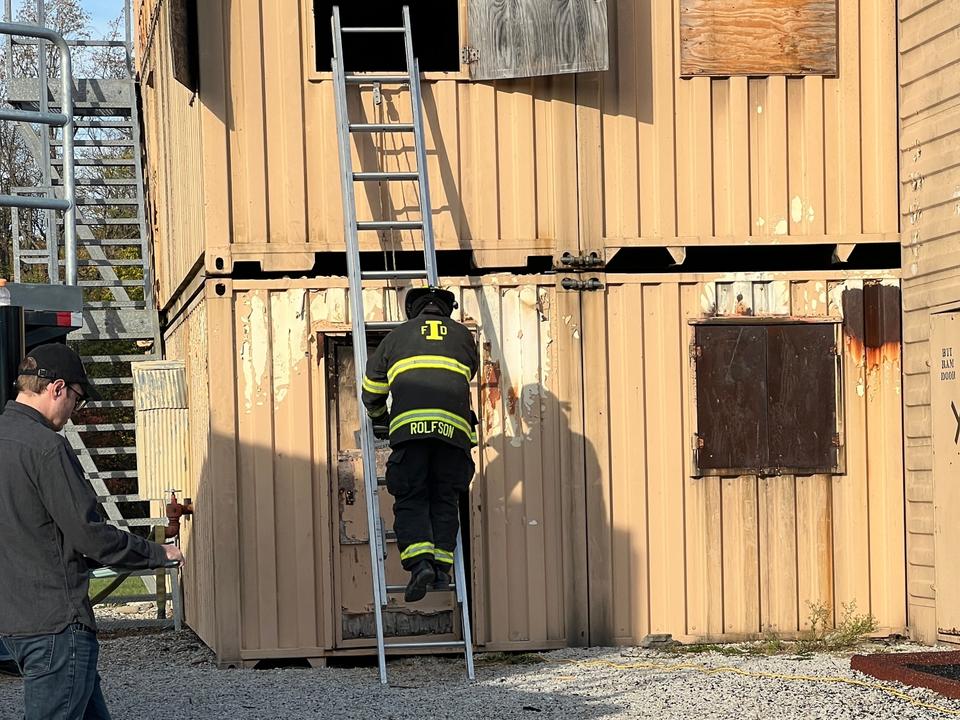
[425, 366]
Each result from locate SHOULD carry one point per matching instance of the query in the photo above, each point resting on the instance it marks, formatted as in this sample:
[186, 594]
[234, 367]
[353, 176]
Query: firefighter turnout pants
[426, 478]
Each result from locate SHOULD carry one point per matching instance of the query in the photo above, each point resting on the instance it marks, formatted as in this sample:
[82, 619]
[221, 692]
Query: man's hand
[173, 554]
[381, 432]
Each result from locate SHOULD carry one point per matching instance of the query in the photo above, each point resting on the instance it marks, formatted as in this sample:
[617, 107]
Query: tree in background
[18, 165]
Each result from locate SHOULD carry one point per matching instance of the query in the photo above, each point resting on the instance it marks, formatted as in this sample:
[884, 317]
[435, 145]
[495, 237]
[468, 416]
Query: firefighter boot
[421, 577]
[442, 579]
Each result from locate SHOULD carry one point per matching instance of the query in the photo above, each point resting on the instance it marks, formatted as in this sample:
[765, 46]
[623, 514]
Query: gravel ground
[147, 669]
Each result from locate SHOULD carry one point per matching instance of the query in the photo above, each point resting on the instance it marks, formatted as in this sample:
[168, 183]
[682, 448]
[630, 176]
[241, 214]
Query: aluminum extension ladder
[352, 227]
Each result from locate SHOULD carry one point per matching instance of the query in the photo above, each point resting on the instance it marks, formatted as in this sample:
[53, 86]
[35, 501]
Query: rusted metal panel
[770, 37]
[802, 405]
[732, 427]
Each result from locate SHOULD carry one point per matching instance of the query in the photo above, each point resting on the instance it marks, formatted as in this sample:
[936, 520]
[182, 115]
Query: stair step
[92, 122]
[92, 162]
[110, 283]
[108, 451]
[112, 381]
[108, 263]
[109, 404]
[113, 475]
[389, 225]
[105, 427]
[136, 522]
[110, 304]
[104, 182]
[107, 221]
[111, 242]
[116, 358]
[104, 202]
[95, 143]
[120, 498]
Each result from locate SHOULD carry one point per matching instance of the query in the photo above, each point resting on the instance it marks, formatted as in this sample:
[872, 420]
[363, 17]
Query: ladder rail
[423, 187]
[352, 227]
[359, 330]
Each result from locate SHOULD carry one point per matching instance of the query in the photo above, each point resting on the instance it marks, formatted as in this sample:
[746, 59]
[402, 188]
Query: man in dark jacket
[425, 366]
[49, 525]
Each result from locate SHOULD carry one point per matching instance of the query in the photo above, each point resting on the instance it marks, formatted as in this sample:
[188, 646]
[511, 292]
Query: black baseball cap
[56, 361]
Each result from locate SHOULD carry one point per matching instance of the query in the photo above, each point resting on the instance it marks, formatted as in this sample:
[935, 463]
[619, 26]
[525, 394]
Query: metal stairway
[361, 328]
[113, 261]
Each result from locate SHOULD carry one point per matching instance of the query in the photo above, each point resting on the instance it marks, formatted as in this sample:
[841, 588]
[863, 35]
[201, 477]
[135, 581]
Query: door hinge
[469, 55]
[587, 285]
[583, 261]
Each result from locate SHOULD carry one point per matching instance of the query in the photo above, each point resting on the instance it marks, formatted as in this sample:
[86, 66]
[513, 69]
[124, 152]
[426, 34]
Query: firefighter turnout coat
[425, 366]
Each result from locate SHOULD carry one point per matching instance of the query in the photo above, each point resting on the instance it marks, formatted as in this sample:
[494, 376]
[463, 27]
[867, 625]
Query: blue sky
[101, 13]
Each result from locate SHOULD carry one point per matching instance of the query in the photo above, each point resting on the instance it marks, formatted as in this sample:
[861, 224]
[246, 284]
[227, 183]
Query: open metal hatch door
[524, 38]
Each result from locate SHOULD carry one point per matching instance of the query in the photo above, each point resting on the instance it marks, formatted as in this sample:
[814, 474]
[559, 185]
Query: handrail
[62, 119]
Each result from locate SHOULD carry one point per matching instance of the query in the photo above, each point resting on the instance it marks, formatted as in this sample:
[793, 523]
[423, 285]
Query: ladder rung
[104, 451]
[109, 404]
[119, 498]
[393, 274]
[383, 325]
[373, 30]
[402, 588]
[98, 123]
[389, 225]
[381, 127]
[111, 304]
[98, 161]
[109, 283]
[449, 643]
[406, 175]
[145, 522]
[383, 79]
[111, 381]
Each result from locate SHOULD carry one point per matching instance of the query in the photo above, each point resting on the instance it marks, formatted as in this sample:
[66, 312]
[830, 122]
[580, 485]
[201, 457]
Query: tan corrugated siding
[929, 177]
[173, 161]
[162, 418]
[727, 557]
[632, 156]
[186, 341]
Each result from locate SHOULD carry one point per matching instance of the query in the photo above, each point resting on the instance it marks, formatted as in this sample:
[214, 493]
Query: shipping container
[659, 150]
[930, 210]
[605, 505]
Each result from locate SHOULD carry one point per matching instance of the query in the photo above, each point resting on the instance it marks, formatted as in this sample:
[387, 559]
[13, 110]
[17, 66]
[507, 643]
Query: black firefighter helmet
[441, 301]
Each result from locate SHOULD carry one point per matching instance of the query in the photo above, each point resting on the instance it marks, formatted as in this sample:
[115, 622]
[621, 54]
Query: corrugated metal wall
[524, 167]
[173, 176]
[711, 558]
[186, 340]
[586, 523]
[162, 418]
[930, 193]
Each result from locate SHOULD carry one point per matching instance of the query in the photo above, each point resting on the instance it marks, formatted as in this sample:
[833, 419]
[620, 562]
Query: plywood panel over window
[758, 37]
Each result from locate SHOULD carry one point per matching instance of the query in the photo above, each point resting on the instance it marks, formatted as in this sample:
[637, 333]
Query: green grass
[129, 587]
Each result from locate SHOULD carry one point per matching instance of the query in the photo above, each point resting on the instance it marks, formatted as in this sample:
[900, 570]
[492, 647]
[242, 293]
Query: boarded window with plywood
[767, 398]
[758, 37]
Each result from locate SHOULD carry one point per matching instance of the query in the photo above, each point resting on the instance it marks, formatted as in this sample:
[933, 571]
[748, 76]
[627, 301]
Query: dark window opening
[767, 399]
[185, 43]
[434, 24]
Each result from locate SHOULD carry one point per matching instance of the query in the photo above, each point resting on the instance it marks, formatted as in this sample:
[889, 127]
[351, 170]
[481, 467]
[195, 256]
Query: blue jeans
[60, 678]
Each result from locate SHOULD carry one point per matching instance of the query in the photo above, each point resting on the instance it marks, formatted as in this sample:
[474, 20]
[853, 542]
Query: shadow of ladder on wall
[357, 276]
[120, 323]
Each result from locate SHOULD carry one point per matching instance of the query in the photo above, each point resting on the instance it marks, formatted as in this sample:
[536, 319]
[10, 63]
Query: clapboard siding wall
[930, 206]
[633, 156]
